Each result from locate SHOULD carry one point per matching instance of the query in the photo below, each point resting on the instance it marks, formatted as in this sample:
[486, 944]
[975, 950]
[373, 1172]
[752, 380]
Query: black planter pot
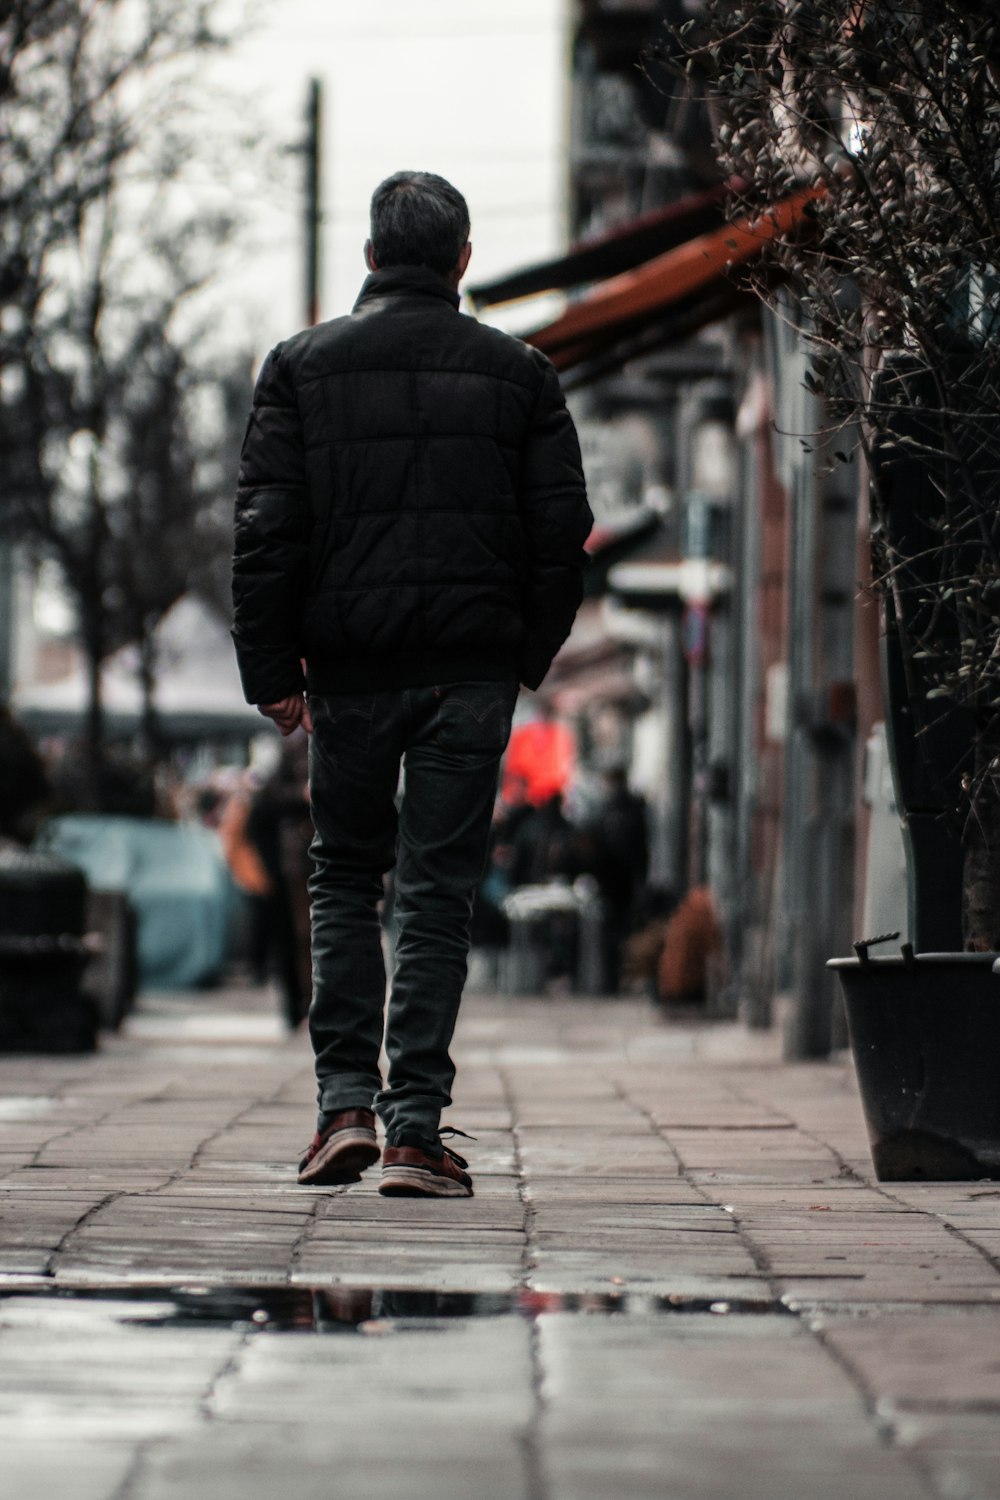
[925, 1033]
[43, 955]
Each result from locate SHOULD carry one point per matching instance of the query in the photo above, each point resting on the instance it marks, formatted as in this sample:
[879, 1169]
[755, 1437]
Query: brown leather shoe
[408, 1172]
[342, 1151]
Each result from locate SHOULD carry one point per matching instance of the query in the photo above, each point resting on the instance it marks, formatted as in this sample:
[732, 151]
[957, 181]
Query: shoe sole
[343, 1159]
[416, 1182]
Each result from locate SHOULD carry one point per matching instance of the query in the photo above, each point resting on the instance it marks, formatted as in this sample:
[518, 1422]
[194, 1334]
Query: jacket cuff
[533, 663]
[271, 684]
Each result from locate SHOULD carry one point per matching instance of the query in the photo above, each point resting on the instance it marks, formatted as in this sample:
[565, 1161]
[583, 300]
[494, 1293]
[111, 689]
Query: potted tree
[894, 110]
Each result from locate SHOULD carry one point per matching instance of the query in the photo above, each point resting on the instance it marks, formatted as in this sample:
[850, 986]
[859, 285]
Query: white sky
[476, 90]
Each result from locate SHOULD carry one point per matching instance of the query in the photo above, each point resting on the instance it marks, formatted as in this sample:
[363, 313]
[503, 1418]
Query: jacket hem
[403, 669]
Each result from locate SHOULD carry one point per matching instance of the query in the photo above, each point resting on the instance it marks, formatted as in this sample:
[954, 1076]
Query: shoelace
[451, 1132]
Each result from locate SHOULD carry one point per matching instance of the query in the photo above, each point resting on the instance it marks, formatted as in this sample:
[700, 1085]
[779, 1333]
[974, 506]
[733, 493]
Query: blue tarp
[176, 878]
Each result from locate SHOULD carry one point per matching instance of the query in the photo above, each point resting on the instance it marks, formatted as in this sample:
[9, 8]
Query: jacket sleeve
[271, 541]
[556, 520]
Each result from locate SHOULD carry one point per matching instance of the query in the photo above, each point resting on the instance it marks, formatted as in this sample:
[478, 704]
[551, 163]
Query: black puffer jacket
[411, 503]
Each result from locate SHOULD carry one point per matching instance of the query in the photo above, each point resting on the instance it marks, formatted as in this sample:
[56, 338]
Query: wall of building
[747, 710]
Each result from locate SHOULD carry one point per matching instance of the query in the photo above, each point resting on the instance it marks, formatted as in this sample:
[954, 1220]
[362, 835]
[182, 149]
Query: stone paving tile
[957, 1430]
[986, 1240]
[460, 1271]
[695, 1401]
[12, 1161]
[980, 1219]
[85, 1470]
[706, 1460]
[593, 1156]
[703, 1149]
[956, 1450]
[900, 1355]
[807, 1292]
[214, 1207]
[599, 1271]
[723, 1114]
[650, 1188]
[343, 1236]
[841, 1193]
[223, 1464]
[168, 1267]
[934, 1379]
[729, 1179]
[27, 1261]
[487, 1372]
[693, 1233]
[363, 1202]
[55, 1355]
[578, 1114]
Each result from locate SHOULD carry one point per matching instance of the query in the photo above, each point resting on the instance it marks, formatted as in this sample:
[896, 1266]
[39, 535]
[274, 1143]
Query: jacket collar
[405, 281]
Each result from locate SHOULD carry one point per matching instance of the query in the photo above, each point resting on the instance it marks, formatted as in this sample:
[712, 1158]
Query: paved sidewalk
[677, 1278]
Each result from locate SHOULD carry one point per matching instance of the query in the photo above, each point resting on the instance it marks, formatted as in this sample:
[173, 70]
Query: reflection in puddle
[342, 1309]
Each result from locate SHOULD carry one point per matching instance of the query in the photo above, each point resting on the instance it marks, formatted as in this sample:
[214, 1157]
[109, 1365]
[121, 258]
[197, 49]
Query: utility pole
[314, 206]
[6, 620]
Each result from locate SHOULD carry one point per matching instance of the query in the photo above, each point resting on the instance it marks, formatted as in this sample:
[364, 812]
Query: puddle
[341, 1309]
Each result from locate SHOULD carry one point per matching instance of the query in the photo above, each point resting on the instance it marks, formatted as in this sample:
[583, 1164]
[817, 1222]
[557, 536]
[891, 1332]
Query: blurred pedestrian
[618, 840]
[409, 529]
[247, 870]
[274, 821]
[546, 845]
[252, 831]
[547, 849]
[541, 757]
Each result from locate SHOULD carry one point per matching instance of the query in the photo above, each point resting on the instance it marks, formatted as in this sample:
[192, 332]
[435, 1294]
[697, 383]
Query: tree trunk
[150, 725]
[981, 882]
[93, 726]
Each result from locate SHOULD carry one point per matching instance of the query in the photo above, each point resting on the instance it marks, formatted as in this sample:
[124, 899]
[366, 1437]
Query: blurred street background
[190, 184]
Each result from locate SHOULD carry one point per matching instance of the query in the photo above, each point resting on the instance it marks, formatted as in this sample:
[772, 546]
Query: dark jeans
[450, 739]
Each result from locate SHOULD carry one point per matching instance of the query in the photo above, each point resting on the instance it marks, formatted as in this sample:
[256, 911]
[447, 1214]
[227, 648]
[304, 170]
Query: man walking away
[410, 525]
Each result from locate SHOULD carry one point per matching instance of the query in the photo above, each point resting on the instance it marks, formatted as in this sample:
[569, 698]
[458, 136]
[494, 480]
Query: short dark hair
[418, 219]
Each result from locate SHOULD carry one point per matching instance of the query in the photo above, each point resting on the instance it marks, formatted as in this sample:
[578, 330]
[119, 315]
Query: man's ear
[459, 268]
[369, 257]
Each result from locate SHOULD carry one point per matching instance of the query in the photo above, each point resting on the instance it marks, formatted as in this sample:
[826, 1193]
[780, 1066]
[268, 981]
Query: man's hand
[288, 714]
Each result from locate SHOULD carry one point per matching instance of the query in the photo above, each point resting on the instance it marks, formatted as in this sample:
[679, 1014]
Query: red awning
[618, 249]
[678, 283]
